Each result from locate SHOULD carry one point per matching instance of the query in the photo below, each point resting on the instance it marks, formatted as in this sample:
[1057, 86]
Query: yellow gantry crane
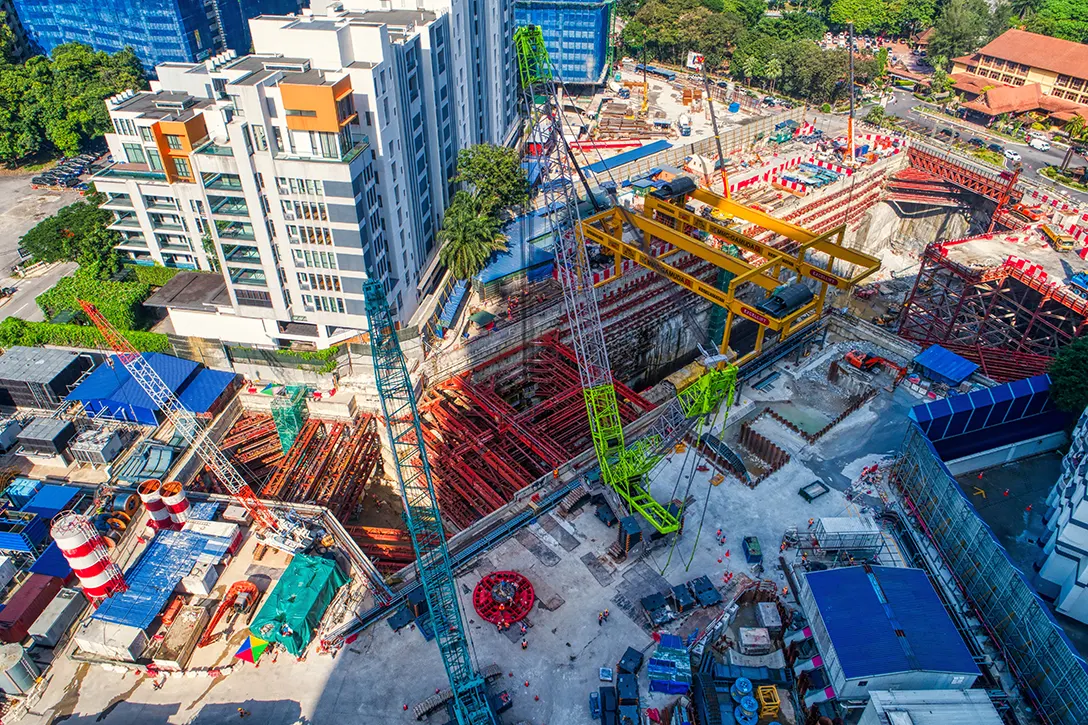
[787, 304]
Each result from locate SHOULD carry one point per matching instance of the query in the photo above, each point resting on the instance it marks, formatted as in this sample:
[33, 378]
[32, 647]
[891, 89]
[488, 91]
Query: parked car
[996, 148]
[976, 142]
[1039, 143]
[1012, 155]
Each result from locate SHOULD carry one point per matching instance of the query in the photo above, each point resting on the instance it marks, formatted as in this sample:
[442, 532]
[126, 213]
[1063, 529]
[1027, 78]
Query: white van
[1039, 143]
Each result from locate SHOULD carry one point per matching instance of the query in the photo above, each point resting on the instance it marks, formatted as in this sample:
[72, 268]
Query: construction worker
[811, 522]
[524, 644]
[243, 713]
[606, 615]
[600, 618]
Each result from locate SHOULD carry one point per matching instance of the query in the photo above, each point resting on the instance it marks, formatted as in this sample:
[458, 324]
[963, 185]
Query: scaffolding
[289, 413]
[1040, 656]
[1005, 318]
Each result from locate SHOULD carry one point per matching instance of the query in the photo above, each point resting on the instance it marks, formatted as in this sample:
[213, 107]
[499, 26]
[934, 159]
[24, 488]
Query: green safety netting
[291, 613]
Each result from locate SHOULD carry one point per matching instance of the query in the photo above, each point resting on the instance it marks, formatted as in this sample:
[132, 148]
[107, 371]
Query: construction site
[719, 330]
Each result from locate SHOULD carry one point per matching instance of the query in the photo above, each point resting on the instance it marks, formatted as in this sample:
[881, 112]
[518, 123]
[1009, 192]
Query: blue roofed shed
[529, 242]
[627, 157]
[50, 500]
[52, 563]
[884, 628]
[110, 390]
[944, 366]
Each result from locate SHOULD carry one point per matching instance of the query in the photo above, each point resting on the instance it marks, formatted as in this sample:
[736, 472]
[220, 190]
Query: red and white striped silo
[85, 551]
[150, 492]
[173, 495]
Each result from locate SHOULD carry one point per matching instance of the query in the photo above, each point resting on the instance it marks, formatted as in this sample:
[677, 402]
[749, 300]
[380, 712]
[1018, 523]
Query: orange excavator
[868, 363]
[240, 598]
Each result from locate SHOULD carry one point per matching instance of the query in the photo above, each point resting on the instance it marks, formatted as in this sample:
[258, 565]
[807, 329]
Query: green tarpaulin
[291, 613]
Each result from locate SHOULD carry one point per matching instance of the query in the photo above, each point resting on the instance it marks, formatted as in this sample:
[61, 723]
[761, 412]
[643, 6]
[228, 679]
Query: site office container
[26, 605]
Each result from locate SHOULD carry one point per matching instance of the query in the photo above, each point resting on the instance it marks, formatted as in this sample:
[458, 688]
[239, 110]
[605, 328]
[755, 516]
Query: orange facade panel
[312, 107]
[176, 140]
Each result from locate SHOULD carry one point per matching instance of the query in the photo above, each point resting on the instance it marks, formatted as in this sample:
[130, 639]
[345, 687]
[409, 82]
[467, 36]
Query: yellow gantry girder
[813, 256]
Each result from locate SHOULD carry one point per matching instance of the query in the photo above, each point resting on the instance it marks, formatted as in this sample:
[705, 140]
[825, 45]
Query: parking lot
[21, 207]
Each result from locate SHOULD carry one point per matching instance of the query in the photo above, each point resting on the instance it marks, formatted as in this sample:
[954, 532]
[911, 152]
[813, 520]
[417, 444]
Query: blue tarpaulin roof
[111, 391]
[521, 253]
[627, 157]
[202, 392]
[50, 500]
[888, 620]
[944, 365]
[51, 563]
[151, 581]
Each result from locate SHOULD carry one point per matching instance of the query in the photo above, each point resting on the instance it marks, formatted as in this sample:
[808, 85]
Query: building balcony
[247, 277]
[117, 201]
[160, 205]
[130, 171]
[235, 230]
[126, 222]
[243, 256]
[228, 206]
[230, 183]
[213, 149]
[167, 226]
[139, 245]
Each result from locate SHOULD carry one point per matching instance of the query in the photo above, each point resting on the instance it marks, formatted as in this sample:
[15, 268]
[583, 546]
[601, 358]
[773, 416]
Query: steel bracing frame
[413, 472]
[963, 173]
[1043, 661]
[1002, 318]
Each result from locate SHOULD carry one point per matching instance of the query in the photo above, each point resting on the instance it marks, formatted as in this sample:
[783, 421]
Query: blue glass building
[576, 34]
[158, 31]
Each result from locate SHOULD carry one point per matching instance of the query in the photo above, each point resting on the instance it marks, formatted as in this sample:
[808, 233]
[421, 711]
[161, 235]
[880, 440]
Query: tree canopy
[1061, 18]
[494, 174]
[961, 27]
[55, 102]
[76, 233]
[1069, 377]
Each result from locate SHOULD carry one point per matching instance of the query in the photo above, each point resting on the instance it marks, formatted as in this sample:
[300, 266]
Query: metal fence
[1020, 623]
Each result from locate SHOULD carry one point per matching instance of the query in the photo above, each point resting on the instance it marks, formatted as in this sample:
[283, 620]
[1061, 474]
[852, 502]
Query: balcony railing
[222, 182]
[230, 207]
[117, 201]
[234, 230]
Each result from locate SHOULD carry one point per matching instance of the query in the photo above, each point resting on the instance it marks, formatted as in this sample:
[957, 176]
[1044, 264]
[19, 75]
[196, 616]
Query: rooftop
[34, 364]
[198, 291]
[164, 105]
[885, 620]
[1040, 51]
[934, 707]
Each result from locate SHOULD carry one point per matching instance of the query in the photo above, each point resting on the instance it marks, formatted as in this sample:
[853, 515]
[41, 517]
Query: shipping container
[56, 618]
[7, 572]
[26, 605]
[110, 640]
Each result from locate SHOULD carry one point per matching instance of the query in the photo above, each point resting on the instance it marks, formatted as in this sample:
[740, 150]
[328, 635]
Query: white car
[1012, 155]
[1039, 143]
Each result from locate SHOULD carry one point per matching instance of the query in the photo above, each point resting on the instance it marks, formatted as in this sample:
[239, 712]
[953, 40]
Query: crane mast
[622, 468]
[413, 472]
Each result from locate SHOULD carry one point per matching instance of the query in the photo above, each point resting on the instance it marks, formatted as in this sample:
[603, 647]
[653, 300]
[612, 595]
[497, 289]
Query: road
[904, 105]
[22, 303]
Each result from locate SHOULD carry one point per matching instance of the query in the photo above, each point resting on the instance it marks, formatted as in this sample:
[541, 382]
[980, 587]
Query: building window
[154, 160]
[300, 112]
[173, 142]
[145, 133]
[277, 137]
[183, 169]
[259, 138]
[134, 152]
[124, 126]
[236, 101]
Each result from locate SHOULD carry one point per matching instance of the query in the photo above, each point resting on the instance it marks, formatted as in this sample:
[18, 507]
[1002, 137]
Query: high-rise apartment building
[297, 175]
[577, 34]
[158, 31]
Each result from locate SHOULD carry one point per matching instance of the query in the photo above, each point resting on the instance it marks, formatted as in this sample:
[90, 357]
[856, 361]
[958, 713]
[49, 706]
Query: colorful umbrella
[252, 649]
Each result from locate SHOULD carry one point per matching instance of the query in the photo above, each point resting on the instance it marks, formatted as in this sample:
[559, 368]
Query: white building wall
[1063, 576]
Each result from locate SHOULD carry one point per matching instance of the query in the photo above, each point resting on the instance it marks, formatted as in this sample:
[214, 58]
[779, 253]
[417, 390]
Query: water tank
[177, 504]
[19, 671]
[151, 494]
[734, 107]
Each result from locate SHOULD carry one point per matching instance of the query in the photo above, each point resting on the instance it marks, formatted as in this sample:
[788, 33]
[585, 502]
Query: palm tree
[1076, 130]
[750, 67]
[773, 71]
[469, 235]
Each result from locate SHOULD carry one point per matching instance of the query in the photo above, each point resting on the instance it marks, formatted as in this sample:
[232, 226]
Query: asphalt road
[22, 303]
[905, 106]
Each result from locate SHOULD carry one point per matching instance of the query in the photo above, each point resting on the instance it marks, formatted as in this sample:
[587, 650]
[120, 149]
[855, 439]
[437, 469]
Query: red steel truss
[1003, 318]
[509, 421]
[961, 172]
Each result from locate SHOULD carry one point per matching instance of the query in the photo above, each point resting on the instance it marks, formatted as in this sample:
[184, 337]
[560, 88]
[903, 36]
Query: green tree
[961, 28]
[1077, 131]
[864, 14]
[875, 116]
[751, 10]
[469, 235]
[911, 16]
[76, 233]
[1069, 377]
[752, 68]
[55, 103]
[1066, 19]
[1001, 17]
[494, 175]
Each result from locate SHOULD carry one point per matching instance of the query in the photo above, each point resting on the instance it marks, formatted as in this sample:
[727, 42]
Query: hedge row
[119, 302]
[155, 276]
[14, 331]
